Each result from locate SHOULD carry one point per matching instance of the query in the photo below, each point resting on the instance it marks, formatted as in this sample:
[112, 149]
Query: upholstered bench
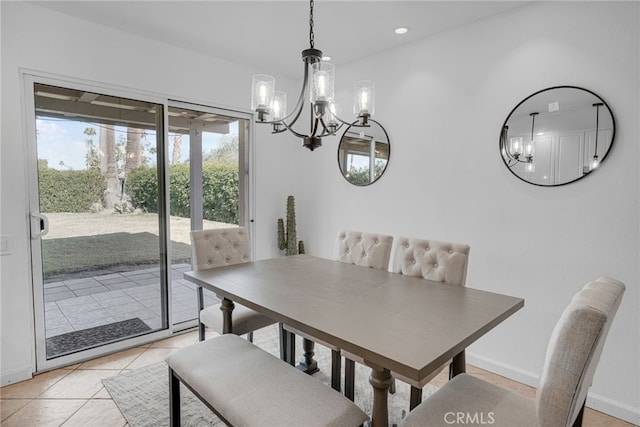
[246, 386]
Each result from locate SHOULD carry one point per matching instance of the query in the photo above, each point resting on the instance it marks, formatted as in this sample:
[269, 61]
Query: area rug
[143, 394]
[91, 337]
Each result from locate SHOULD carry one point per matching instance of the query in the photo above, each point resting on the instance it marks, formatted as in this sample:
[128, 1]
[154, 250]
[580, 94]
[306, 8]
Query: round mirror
[557, 136]
[363, 153]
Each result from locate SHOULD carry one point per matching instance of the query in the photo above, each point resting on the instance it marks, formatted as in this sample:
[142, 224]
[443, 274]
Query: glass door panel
[97, 225]
[207, 188]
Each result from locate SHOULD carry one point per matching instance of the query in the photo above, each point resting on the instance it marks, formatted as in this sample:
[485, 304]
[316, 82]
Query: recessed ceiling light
[326, 58]
[401, 30]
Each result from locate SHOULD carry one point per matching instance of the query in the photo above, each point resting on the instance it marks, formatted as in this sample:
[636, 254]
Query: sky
[64, 141]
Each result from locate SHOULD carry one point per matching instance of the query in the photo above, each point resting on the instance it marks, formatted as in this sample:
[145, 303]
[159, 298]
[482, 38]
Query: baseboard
[511, 372]
[594, 401]
[615, 409]
[15, 376]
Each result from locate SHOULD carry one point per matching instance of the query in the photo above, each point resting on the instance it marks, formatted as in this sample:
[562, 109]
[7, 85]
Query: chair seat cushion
[250, 387]
[471, 401]
[244, 319]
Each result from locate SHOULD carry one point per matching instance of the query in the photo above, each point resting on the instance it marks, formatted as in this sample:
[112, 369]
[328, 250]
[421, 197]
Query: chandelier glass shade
[364, 102]
[517, 150]
[262, 94]
[318, 90]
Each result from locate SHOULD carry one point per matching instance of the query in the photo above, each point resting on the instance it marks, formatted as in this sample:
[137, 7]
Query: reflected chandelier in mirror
[557, 136]
[363, 153]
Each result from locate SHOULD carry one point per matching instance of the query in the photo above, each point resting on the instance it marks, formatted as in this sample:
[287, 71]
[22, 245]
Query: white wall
[38, 39]
[443, 102]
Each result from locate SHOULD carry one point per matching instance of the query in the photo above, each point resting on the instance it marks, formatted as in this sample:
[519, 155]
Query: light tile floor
[75, 396]
[77, 304]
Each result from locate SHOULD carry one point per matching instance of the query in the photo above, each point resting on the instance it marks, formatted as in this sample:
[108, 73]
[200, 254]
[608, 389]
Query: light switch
[5, 245]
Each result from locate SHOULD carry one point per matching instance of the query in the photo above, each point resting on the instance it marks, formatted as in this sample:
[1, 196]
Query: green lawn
[87, 242]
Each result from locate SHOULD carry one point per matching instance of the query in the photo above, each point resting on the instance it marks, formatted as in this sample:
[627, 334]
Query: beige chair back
[364, 249]
[574, 350]
[219, 247]
[439, 261]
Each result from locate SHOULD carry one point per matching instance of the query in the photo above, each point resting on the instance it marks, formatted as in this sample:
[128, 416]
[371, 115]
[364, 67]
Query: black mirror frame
[500, 138]
[388, 159]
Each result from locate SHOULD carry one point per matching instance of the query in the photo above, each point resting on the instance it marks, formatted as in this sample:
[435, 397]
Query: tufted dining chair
[370, 250]
[442, 262]
[218, 248]
[573, 352]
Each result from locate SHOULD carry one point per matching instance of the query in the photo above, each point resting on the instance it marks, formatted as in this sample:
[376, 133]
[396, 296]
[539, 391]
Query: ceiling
[269, 35]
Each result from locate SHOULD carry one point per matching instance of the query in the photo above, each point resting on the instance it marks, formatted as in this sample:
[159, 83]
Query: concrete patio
[78, 304]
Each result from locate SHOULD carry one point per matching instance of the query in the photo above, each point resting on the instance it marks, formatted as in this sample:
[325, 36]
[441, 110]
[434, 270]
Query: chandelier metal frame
[323, 119]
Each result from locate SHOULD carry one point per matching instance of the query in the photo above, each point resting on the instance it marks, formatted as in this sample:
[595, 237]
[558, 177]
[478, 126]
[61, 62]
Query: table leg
[227, 307]
[415, 398]
[308, 365]
[290, 350]
[283, 341]
[458, 365]
[380, 380]
[349, 379]
[336, 369]
[287, 345]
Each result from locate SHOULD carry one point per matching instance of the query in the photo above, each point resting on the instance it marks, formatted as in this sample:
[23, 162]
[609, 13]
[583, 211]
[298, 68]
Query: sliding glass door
[207, 187]
[117, 183]
[99, 258]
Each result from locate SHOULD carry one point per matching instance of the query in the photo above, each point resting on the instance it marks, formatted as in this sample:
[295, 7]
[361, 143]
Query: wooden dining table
[394, 322]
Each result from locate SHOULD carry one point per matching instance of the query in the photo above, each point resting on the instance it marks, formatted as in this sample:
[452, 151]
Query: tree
[132, 151]
[228, 152]
[109, 166]
[362, 176]
[177, 148]
[92, 158]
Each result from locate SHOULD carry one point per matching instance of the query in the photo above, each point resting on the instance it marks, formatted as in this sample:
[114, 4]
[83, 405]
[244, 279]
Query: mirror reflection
[557, 136]
[363, 153]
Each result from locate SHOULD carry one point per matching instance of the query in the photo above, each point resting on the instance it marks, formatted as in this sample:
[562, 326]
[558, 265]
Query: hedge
[219, 191]
[69, 190]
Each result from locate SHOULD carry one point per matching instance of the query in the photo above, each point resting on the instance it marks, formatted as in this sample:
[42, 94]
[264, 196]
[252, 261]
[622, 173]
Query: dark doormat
[93, 337]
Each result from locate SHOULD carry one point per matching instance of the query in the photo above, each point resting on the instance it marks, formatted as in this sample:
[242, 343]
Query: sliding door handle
[39, 225]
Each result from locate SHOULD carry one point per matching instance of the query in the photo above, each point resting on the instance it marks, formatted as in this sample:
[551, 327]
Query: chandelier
[318, 84]
[519, 151]
[596, 161]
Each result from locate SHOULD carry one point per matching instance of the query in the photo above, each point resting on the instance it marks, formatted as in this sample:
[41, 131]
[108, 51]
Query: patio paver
[77, 304]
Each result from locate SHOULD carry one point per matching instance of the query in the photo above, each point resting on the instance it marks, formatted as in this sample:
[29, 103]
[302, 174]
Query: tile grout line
[75, 412]
[177, 345]
[56, 382]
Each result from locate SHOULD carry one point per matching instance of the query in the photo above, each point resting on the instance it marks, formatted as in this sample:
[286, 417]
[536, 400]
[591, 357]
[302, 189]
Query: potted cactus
[287, 237]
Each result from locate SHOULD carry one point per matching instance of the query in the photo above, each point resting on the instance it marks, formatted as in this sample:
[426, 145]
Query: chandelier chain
[311, 35]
